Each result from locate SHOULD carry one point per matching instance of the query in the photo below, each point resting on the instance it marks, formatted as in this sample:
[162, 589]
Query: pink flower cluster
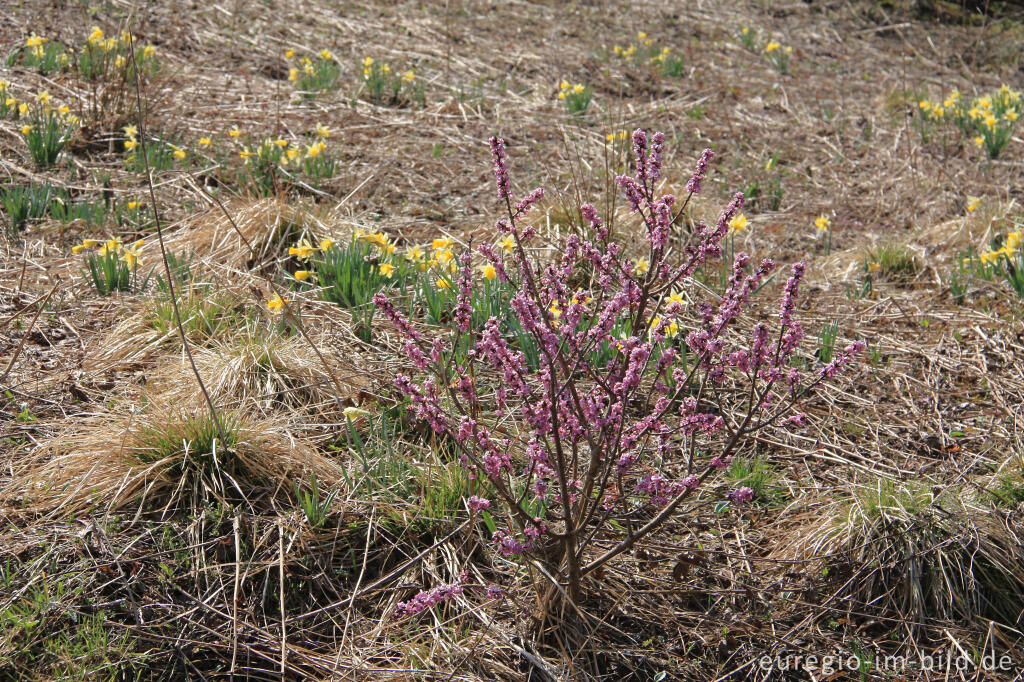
[428, 599]
[606, 400]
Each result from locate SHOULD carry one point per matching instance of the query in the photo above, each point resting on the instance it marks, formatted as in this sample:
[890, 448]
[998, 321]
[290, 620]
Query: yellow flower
[980, 141]
[148, 52]
[326, 54]
[789, 50]
[676, 297]
[23, 109]
[179, 154]
[91, 243]
[26, 129]
[132, 205]
[489, 272]
[314, 149]
[293, 74]
[77, 249]
[276, 303]
[988, 256]
[443, 283]
[386, 269]
[303, 275]
[64, 110]
[641, 35]
[386, 68]
[924, 105]
[507, 244]
[113, 244]
[441, 243]
[973, 203]
[409, 76]
[34, 41]
[43, 97]
[771, 47]
[444, 256]
[355, 414]
[235, 132]
[739, 223]
[131, 257]
[326, 244]
[578, 88]
[302, 251]
[10, 102]
[744, 30]
[1011, 116]
[556, 312]
[414, 254]
[96, 35]
[289, 54]
[131, 131]
[990, 122]
[642, 266]
[205, 141]
[368, 61]
[281, 142]
[823, 223]
[561, 95]
[874, 267]
[245, 155]
[308, 69]
[564, 85]
[322, 131]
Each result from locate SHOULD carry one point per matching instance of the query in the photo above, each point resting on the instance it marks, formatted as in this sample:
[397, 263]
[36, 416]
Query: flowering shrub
[574, 460]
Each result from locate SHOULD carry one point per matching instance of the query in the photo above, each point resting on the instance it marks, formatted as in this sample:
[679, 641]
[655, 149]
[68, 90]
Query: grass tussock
[162, 456]
[922, 554]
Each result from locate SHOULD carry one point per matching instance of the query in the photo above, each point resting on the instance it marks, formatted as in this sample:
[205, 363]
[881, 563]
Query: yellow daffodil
[556, 312]
[441, 243]
[96, 35]
[281, 142]
[744, 30]
[443, 283]
[205, 141]
[303, 275]
[822, 223]
[314, 149]
[303, 250]
[980, 141]
[235, 132]
[642, 266]
[739, 223]
[23, 109]
[179, 154]
[293, 74]
[355, 414]
[132, 205]
[26, 129]
[326, 244]
[275, 303]
[675, 297]
[368, 61]
[409, 76]
[507, 244]
[1011, 116]
[386, 269]
[131, 132]
[322, 131]
[771, 47]
[92, 243]
[489, 272]
[245, 155]
[288, 54]
[326, 54]
[148, 52]
[77, 249]
[973, 203]
[43, 97]
[874, 267]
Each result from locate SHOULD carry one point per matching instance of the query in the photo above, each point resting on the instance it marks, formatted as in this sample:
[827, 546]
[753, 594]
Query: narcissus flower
[823, 223]
[326, 244]
[973, 203]
[489, 272]
[26, 129]
[322, 131]
[303, 250]
[205, 141]
[739, 223]
[642, 266]
[132, 205]
[387, 269]
[235, 132]
[275, 303]
[326, 54]
[355, 414]
[289, 54]
[771, 47]
[303, 275]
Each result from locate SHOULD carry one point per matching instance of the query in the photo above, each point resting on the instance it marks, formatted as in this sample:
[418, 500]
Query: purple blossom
[478, 503]
[701, 172]
[500, 167]
[741, 495]
[428, 599]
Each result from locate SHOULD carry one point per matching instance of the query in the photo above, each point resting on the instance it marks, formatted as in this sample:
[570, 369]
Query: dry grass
[894, 521]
